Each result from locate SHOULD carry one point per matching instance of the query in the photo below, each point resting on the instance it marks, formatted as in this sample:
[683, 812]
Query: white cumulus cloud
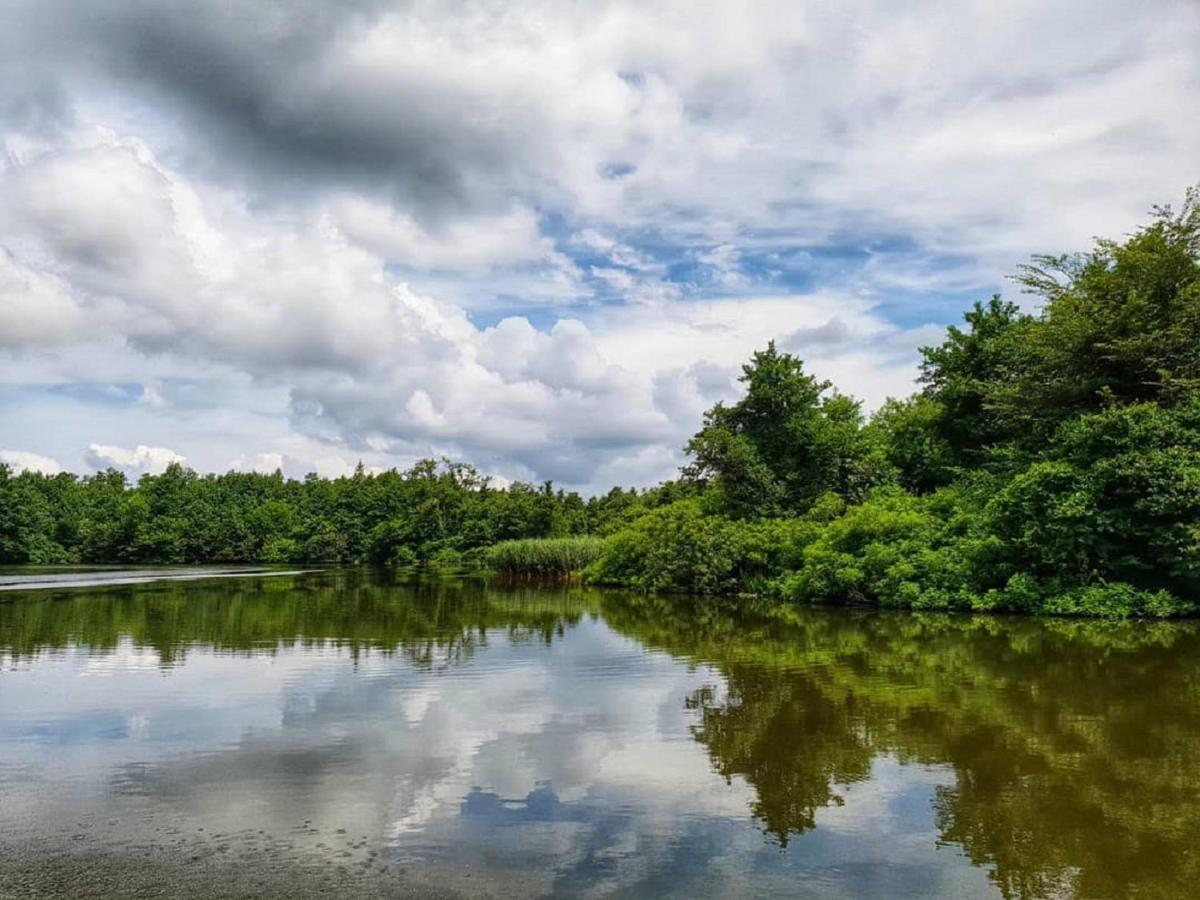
[24, 461]
[136, 460]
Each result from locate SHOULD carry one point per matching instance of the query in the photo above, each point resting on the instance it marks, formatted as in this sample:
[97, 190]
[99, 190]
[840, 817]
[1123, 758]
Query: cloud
[140, 459]
[744, 117]
[24, 461]
[467, 245]
[833, 331]
[367, 361]
[442, 111]
[265, 463]
[538, 237]
[36, 308]
[724, 266]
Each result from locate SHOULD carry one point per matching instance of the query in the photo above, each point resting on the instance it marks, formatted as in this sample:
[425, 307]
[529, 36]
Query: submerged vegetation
[1049, 463]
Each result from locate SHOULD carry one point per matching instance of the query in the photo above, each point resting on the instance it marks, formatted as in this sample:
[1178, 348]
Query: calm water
[339, 733]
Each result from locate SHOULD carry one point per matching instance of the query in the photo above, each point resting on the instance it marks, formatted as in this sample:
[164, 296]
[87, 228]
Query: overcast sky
[539, 237]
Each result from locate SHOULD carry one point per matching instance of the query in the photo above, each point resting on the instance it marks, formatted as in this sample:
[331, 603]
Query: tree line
[435, 511]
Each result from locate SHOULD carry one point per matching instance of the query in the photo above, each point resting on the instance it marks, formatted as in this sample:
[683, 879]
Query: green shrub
[401, 556]
[447, 557]
[1118, 501]
[279, 550]
[1117, 600]
[888, 551]
[680, 548]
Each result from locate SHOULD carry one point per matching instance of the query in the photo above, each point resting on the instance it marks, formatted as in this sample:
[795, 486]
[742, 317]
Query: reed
[544, 556]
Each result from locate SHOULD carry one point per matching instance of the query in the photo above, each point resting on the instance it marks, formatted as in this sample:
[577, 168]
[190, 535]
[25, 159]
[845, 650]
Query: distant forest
[1050, 462]
[434, 512]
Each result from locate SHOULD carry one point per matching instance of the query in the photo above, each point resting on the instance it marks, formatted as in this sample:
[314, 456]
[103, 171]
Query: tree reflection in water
[1074, 745]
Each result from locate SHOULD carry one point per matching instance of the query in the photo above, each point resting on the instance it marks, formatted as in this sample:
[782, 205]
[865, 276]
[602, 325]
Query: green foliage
[544, 556]
[962, 375]
[787, 442]
[868, 554]
[1119, 323]
[1117, 498]
[1115, 600]
[680, 547]
[434, 513]
[911, 434]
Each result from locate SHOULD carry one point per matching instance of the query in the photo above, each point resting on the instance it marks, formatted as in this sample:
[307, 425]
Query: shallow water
[345, 733]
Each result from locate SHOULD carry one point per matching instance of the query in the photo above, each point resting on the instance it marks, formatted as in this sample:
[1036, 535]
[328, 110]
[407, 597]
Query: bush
[447, 558]
[1118, 501]
[892, 550]
[279, 550]
[680, 548]
[1118, 600]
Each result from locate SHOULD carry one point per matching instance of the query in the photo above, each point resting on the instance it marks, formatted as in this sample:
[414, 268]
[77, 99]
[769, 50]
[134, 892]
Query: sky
[541, 238]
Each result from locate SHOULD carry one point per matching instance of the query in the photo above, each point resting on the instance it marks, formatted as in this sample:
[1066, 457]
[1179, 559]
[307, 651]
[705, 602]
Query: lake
[357, 734]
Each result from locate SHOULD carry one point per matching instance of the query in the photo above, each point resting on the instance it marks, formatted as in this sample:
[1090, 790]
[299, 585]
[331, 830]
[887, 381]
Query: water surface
[36, 578]
[345, 733]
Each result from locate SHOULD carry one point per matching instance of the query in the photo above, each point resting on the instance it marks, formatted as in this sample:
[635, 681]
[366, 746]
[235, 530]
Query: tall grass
[544, 556]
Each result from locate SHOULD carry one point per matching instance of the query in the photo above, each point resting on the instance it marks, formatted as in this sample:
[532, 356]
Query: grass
[544, 556]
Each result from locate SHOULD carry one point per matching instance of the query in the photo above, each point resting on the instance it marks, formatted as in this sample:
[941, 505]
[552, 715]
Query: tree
[962, 374]
[1119, 325]
[912, 434]
[785, 443]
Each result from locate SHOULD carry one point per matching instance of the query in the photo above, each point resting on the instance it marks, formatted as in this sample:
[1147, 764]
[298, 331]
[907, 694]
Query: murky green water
[338, 733]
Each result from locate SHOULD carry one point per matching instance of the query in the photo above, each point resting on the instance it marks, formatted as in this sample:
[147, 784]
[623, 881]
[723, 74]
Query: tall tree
[786, 442]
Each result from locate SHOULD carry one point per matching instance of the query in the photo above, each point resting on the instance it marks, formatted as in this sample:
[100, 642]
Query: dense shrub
[681, 548]
[1115, 600]
[1116, 500]
[895, 549]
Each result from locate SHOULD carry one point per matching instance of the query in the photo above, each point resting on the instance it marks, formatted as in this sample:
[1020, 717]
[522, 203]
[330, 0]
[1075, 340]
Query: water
[40, 578]
[342, 733]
